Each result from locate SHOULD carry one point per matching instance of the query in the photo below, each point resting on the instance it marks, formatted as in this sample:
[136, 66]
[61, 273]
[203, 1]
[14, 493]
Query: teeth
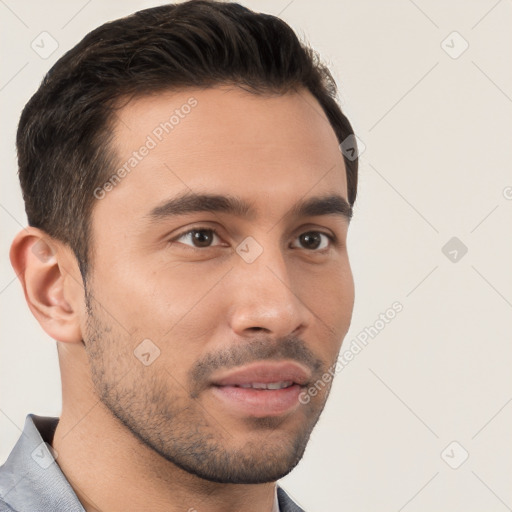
[271, 385]
[279, 385]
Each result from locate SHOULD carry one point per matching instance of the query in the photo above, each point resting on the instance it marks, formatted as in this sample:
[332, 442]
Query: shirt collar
[31, 479]
[275, 507]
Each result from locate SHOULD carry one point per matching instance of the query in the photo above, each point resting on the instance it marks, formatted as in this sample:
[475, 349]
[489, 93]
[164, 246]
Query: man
[188, 207]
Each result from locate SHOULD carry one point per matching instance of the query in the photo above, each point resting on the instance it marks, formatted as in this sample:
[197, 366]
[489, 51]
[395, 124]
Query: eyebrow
[187, 203]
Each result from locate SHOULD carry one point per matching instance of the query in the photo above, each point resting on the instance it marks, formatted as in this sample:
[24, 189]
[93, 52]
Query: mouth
[268, 385]
[261, 389]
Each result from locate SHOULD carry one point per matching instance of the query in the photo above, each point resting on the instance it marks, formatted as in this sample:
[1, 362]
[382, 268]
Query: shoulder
[4, 507]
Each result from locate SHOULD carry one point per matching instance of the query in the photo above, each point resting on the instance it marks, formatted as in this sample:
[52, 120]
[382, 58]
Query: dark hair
[64, 134]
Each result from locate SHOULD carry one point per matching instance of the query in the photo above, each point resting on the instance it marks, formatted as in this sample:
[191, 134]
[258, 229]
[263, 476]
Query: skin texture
[155, 437]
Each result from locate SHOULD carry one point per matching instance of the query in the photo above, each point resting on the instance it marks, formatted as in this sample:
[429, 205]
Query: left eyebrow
[191, 202]
[326, 205]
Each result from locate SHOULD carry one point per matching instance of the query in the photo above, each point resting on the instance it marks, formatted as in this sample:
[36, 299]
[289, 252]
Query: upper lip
[264, 372]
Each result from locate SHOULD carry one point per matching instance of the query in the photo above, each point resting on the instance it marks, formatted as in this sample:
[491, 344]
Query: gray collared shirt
[32, 481]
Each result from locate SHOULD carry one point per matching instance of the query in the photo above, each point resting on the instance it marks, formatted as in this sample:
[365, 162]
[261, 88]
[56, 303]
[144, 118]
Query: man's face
[185, 324]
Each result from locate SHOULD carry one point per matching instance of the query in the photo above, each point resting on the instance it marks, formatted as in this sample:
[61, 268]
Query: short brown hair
[64, 134]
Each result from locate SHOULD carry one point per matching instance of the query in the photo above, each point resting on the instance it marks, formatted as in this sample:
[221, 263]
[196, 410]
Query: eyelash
[332, 238]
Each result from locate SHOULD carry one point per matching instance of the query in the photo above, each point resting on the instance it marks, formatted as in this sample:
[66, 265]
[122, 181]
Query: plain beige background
[433, 109]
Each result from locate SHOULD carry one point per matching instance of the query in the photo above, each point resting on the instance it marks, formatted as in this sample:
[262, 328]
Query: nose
[263, 298]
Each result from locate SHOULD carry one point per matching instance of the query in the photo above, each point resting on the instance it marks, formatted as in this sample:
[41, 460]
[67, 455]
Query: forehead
[270, 149]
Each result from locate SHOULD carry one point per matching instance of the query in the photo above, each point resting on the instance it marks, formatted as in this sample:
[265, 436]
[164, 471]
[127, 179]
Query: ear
[51, 281]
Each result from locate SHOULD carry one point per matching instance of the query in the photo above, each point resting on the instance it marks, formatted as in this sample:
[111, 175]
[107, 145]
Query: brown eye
[197, 238]
[202, 238]
[314, 240]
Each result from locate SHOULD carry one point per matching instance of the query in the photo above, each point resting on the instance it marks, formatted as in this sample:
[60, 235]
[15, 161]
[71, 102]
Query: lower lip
[259, 402]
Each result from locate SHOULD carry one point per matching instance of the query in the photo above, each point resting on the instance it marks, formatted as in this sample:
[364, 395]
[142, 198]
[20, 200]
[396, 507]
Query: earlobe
[44, 268]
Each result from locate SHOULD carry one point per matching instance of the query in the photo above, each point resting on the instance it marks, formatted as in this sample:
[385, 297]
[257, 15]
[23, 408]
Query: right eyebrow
[191, 203]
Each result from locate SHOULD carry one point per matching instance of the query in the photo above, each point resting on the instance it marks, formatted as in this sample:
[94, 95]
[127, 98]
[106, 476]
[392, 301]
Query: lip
[259, 403]
[265, 372]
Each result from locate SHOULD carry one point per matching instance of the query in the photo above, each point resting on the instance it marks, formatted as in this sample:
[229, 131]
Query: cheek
[177, 307]
[151, 300]
[346, 282]
[329, 293]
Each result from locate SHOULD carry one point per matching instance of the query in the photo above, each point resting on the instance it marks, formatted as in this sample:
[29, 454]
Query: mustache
[260, 349]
